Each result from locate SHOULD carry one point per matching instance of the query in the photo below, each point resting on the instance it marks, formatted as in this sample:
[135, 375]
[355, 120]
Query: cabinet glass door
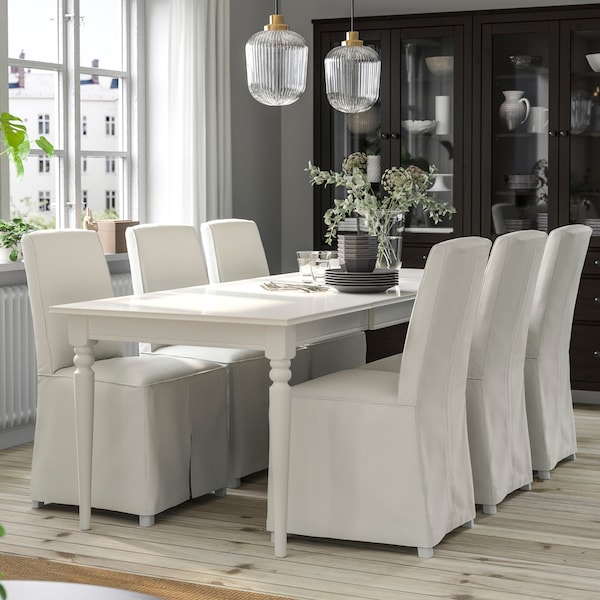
[423, 121]
[584, 129]
[515, 173]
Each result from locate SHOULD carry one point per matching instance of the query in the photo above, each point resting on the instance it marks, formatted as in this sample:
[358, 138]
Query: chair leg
[234, 483]
[526, 488]
[469, 524]
[543, 474]
[146, 520]
[425, 552]
[36, 504]
[221, 492]
[489, 509]
[570, 457]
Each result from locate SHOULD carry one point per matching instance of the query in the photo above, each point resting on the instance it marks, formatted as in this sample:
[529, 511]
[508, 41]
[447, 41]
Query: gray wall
[256, 131]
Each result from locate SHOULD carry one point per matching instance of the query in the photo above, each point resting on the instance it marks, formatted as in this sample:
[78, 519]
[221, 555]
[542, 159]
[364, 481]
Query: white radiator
[18, 381]
[18, 371]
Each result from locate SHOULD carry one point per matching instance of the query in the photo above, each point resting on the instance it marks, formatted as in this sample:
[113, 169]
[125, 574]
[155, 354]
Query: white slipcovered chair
[160, 426]
[153, 269]
[547, 373]
[234, 250]
[496, 416]
[382, 456]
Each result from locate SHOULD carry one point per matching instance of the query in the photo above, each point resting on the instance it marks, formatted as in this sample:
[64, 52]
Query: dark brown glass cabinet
[502, 171]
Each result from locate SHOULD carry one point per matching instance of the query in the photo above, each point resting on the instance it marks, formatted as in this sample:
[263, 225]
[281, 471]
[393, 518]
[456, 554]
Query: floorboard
[544, 543]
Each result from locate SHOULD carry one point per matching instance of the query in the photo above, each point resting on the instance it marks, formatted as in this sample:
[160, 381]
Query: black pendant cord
[351, 15]
[276, 7]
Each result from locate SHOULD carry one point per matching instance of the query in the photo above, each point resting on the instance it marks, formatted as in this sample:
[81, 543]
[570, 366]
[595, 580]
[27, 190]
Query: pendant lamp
[276, 63]
[352, 73]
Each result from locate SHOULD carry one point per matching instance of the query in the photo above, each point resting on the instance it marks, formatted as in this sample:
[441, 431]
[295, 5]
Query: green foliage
[11, 233]
[110, 214]
[404, 188]
[16, 141]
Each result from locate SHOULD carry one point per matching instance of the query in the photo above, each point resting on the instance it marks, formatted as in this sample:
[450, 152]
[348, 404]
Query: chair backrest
[165, 257]
[233, 250]
[556, 291]
[500, 332]
[63, 267]
[436, 351]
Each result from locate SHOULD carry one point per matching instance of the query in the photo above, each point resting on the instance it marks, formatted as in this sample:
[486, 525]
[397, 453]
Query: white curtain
[198, 141]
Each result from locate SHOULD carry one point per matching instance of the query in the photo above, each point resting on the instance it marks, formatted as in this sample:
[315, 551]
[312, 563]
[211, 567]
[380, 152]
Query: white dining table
[240, 314]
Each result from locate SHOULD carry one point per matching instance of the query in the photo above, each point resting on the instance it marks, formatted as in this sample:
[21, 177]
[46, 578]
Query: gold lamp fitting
[352, 39]
[276, 23]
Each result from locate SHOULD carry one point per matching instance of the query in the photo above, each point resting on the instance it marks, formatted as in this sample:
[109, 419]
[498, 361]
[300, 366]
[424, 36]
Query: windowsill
[13, 273]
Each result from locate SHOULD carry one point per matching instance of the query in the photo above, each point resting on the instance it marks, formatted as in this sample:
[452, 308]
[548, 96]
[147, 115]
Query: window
[44, 164]
[111, 197]
[110, 126]
[43, 124]
[67, 94]
[44, 201]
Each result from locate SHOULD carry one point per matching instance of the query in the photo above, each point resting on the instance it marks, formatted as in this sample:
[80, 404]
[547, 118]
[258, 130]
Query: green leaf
[45, 145]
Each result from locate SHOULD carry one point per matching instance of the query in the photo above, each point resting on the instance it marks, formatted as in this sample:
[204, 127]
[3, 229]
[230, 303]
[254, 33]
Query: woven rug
[18, 567]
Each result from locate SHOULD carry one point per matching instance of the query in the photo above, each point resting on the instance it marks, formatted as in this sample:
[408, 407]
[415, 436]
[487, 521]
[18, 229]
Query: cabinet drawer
[585, 353]
[587, 307]
[591, 266]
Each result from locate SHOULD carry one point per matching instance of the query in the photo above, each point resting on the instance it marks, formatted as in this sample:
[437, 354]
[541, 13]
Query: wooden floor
[541, 544]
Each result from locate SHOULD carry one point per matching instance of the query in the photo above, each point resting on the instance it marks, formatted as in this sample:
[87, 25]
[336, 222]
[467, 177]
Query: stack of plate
[594, 224]
[522, 181]
[357, 253]
[361, 283]
[542, 221]
[511, 225]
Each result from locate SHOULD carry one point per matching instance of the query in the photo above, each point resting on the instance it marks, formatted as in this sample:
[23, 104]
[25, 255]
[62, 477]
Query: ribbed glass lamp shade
[352, 74]
[276, 65]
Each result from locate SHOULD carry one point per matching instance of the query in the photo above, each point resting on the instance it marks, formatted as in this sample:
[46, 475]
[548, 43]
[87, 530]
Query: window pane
[101, 21]
[35, 103]
[34, 196]
[33, 31]
[101, 105]
[101, 179]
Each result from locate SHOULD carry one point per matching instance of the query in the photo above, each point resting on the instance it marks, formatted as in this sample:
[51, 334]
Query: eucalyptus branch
[404, 188]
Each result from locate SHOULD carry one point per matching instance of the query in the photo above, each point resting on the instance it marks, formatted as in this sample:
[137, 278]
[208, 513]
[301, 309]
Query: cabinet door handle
[597, 354]
[552, 133]
[564, 133]
[395, 136]
[597, 262]
[597, 300]
[385, 136]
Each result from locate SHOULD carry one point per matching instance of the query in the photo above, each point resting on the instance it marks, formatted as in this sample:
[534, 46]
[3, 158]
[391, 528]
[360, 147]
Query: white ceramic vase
[515, 109]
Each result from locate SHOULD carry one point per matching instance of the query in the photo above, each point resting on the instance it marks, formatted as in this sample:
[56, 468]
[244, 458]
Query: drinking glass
[320, 262]
[304, 257]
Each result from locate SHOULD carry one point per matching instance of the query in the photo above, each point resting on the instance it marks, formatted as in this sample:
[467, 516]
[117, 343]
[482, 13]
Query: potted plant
[403, 188]
[14, 137]
[11, 233]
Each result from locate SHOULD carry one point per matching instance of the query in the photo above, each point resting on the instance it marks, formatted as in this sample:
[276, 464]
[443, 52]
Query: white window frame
[66, 135]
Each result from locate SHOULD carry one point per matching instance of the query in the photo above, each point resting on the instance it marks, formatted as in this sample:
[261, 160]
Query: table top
[243, 302]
